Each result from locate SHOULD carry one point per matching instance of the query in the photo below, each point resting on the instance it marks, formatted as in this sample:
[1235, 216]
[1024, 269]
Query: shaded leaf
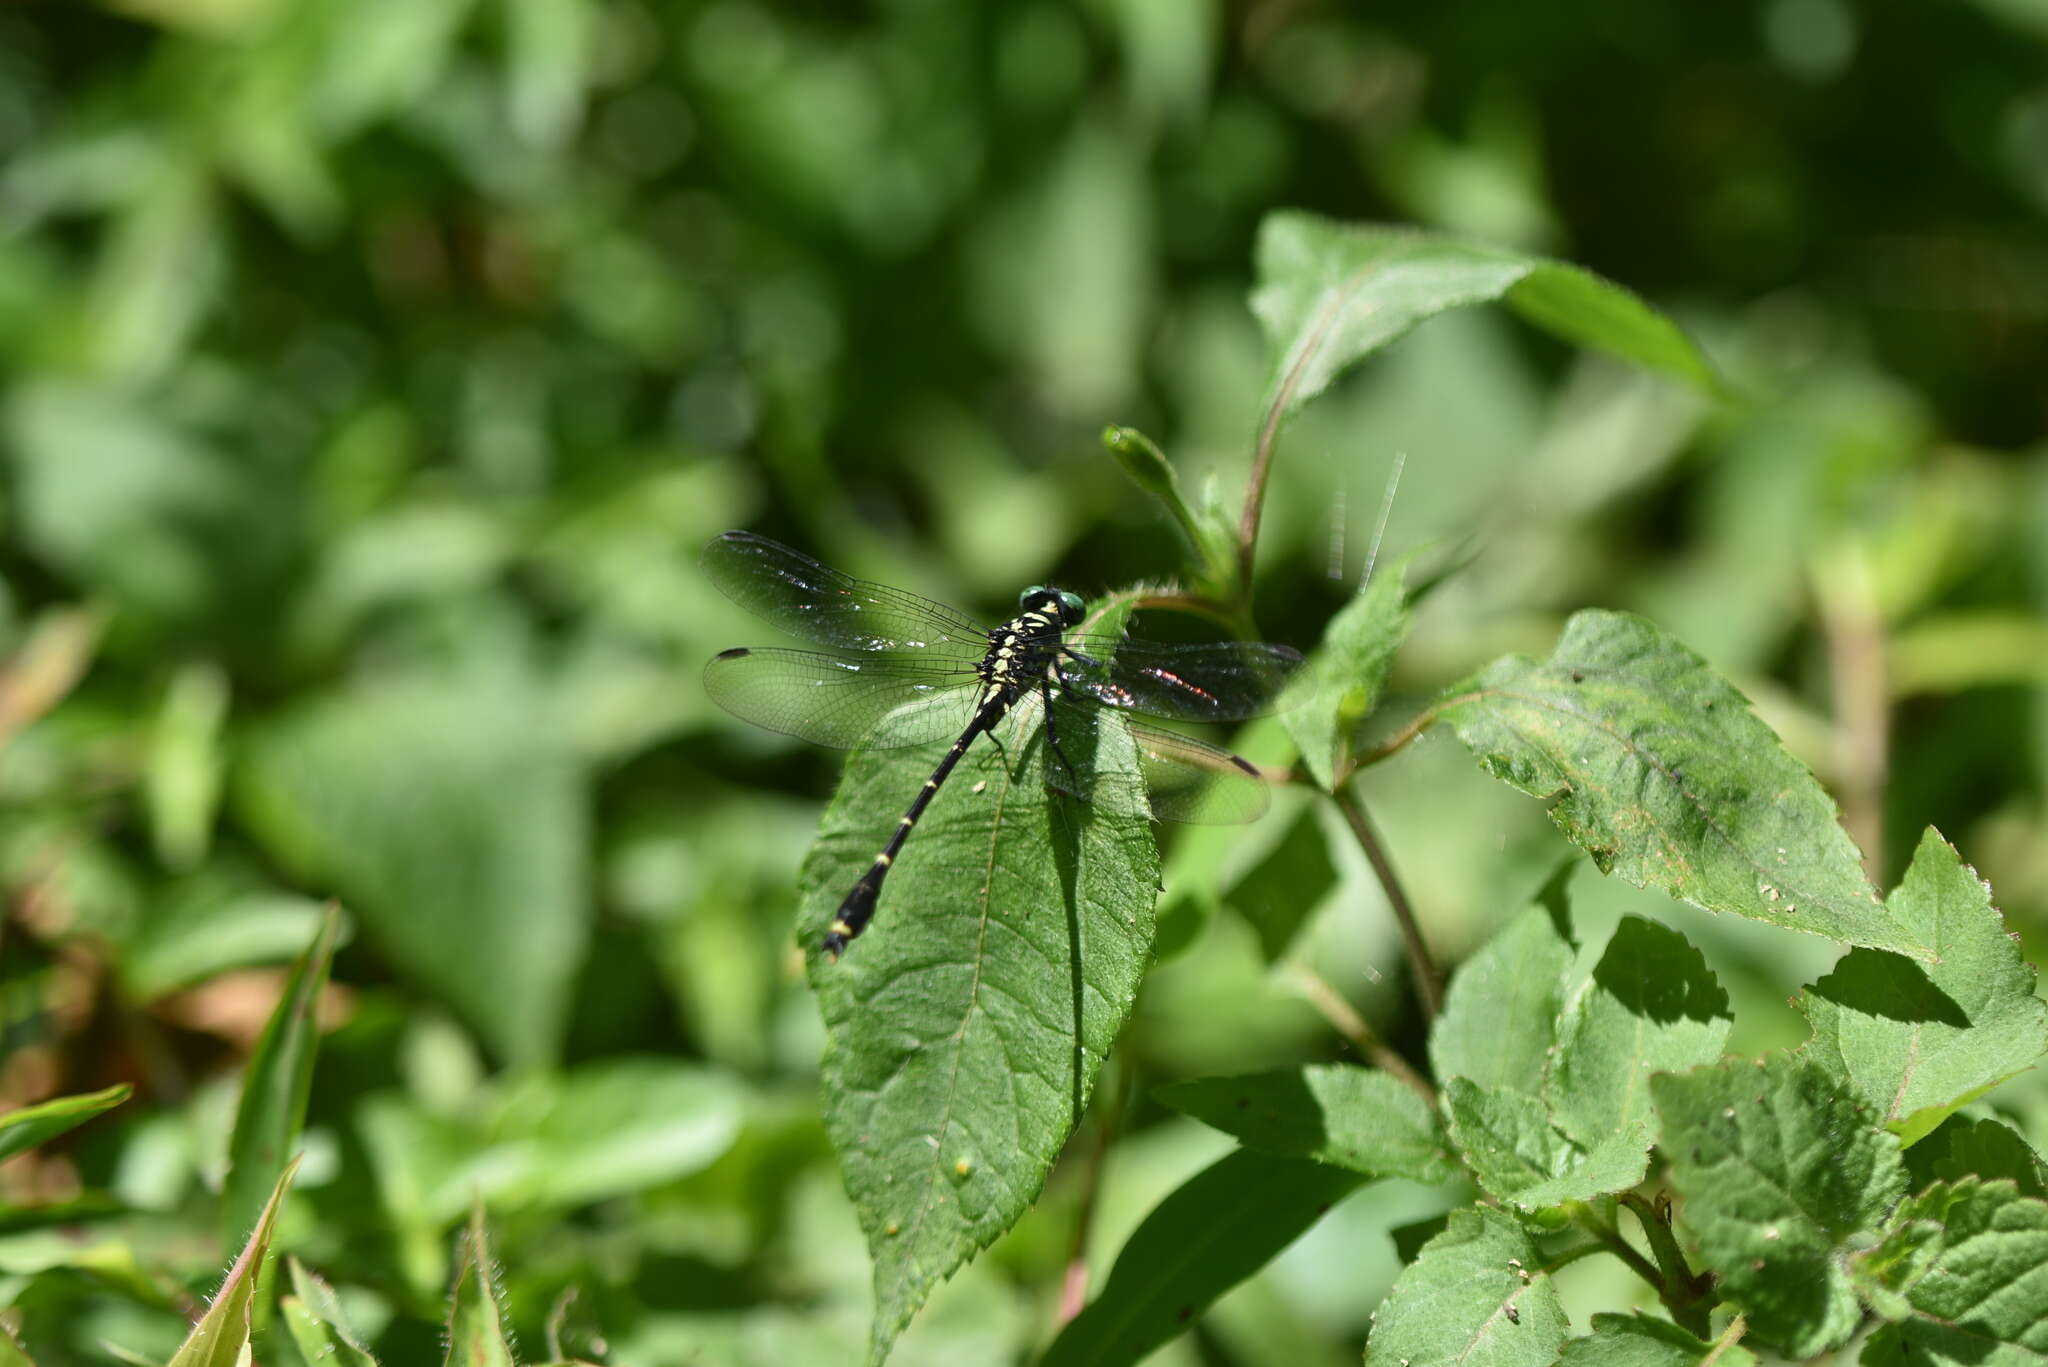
[23, 1129]
[1916, 1041]
[1990, 1149]
[1277, 894]
[453, 819]
[1780, 1173]
[1652, 1006]
[966, 1027]
[1336, 1113]
[276, 1084]
[1645, 1341]
[1474, 1297]
[1217, 1229]
[1656, 766]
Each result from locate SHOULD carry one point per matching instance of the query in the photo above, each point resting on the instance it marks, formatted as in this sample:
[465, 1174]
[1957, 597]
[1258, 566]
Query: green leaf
[276, 1084]
[12, 1354]
[1963, 1273]
[1654, 764]
[1780, 1173]
[1917, 1041]
[182, 781]
[1500, 1013]
[221, 1338]
[313, 1315]
[549, 44]
[23, 1129]
[1277, 894]
[966, 1027]
[1651, 1006]
[477, 1334]
[1217, 1229]
[1335, 1113]
[1475, 1297]
[1506, 1137]
[453, 819]
[1962, 1147]
[1645, 1341]
[1350, 673]
[1330, 294]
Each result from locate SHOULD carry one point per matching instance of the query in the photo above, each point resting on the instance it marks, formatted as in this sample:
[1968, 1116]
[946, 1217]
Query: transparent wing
[1188, 780]
[820, 604]
[1219, 681]
[844, 700]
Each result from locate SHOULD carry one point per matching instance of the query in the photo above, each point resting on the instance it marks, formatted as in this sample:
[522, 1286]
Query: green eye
[1036, 591]
[1071, 606]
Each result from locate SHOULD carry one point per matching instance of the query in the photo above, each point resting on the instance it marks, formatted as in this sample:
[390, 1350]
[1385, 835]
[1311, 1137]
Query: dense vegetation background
[375, 368]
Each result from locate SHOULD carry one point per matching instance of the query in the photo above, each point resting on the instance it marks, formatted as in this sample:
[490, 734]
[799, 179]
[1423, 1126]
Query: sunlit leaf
[221, 1338]
[1916, 1041]
[1963, 1274]
[1331, 294]
[1655, 765]
[1780, 1173]
[23, 1129]
[276, 1084]
[1476, 1296]
[966, 1027]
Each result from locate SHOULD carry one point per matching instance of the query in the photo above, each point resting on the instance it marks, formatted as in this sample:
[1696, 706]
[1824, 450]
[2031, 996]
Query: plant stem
[1853, 623]
[1421, 967]
[1347, 1022]
[1730, 1336]
[1394, 744]
[1682, 1290]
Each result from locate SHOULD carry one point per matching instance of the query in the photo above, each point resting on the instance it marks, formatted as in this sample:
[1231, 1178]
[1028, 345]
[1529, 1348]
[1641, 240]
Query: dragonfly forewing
[843, 700]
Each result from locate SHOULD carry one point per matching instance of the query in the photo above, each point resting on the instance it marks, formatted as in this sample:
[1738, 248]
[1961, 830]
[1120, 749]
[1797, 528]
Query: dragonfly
[899, 670]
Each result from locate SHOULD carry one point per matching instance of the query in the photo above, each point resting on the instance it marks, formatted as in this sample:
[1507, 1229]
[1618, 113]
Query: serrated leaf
[1505, 1136]
[966, 1027]
[23, 1129]
[1963, 1270]
[1651, 1006]
[1780, 1172]
[1277, 894]
[1962, 1147]
[1645, 1341]
[477, 1333]
[1655, 765]
[1349, 674]
[1499, 1020]
[1475, 1297]
[1336, 1113]
[221, 1338]
[277, 1084]
[1217, 1229]
[437, 807]
[1916, 1041]
[1330, 294]
[314, 1318]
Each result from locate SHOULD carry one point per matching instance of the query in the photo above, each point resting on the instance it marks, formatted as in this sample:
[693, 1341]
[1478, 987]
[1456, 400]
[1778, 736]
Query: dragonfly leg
[1046, 695]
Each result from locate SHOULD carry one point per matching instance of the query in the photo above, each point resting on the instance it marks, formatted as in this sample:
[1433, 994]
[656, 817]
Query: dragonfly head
[1061, 606]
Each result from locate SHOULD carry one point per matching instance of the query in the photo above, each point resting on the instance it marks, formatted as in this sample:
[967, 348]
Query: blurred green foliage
[374, 368]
